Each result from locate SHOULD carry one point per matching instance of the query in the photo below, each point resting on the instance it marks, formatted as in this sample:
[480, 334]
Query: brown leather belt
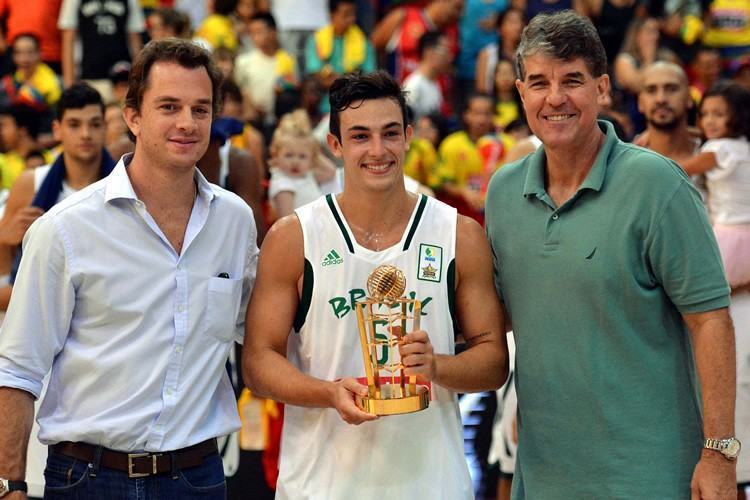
[139, 464]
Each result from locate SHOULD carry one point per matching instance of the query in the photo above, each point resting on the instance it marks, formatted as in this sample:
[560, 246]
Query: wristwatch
[6, 486]
[729, 447]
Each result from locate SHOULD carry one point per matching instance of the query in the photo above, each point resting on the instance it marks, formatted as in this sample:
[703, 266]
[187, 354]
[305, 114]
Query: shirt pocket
[223, 304]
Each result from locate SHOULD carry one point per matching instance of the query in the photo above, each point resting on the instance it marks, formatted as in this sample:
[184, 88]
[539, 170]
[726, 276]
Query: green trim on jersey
[451, 283]
[304, 301]
[332, 206]
[415, 223]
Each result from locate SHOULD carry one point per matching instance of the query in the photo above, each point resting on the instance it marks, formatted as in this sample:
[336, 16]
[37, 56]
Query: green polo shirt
[607, 390]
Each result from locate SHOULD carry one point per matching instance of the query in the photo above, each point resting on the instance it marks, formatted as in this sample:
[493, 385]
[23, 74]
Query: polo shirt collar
[535, 173]
[119, 186]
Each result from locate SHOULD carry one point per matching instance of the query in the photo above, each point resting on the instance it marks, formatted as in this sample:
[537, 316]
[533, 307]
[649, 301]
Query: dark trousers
[67, 478]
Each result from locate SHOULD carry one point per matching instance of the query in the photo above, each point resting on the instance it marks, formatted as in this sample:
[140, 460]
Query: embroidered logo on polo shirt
[332, 259]
[430, 265]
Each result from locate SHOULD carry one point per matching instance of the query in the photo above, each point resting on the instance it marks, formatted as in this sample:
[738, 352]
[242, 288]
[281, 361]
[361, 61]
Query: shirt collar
[535, 172]
[118, 185]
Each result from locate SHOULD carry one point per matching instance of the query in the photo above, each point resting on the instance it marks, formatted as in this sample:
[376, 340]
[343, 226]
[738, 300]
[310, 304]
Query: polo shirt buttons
[555, 217]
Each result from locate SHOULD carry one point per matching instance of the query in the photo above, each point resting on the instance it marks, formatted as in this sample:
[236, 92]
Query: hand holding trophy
[392, 392]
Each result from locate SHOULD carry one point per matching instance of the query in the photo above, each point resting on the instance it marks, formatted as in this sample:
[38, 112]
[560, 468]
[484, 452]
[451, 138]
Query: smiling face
[714, 117]
[562, 100]
[172, 127]
[373, 145]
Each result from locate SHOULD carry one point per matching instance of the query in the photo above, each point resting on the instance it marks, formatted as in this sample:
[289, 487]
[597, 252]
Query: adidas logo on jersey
[332, 259]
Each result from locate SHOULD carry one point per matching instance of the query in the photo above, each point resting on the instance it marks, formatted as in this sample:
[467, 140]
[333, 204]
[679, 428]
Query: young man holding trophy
[357, 304]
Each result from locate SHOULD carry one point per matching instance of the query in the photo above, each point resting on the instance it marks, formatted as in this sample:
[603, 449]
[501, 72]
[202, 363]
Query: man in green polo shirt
[612, 279]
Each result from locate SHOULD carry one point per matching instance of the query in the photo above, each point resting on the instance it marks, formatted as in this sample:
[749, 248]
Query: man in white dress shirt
[132, 292]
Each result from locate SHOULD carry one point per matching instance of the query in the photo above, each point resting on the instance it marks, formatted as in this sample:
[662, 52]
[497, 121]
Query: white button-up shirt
[136, 335]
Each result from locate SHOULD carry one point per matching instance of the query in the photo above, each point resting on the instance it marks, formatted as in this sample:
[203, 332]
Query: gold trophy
[390, 392]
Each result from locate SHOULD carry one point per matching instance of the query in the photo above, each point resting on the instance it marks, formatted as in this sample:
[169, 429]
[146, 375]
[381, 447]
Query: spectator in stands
[166, 22]
[109, 32]
[706, 71]
[724, 25]
[423, 93]
[224, 59]
[508, 106]
[725, 159]
[640, 49]
[217, 30]
[295, 180]
[80, 128]
[476, 30]
[264, 71]
[250, 139]
[611, 18]
[665, 102]
[422, 159]
[339, 47]
[509, 26]
[118, 76]
[116, 140]
[33, 83]
[398, 32]
[19, 127]
[461, 169]
[234, 169]
[33, 16]
[243, 13]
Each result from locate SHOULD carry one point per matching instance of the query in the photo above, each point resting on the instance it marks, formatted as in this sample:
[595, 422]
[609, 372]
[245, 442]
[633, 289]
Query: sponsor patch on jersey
[430, 263]
[332, 259]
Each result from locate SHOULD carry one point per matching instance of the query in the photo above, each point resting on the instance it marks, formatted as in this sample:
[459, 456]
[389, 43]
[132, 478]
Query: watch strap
[17, 486]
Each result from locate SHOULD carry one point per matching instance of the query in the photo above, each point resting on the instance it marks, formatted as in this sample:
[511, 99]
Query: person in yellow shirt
[461, 169]
[19, 126]
[33, 83]
[217, 30]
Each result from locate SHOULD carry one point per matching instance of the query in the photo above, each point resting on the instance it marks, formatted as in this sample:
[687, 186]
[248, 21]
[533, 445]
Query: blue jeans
[67, 479]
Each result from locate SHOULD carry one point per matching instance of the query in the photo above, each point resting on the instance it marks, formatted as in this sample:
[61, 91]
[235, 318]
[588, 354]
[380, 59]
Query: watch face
[732, 449]
[3, 489]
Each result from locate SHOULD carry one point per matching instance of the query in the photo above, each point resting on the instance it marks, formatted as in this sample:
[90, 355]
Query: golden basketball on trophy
[390, 391]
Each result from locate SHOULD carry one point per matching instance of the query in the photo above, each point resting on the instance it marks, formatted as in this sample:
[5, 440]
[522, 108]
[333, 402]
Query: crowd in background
[456, 59]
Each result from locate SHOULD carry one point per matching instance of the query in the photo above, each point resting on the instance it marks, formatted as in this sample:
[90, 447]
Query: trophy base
[391, 405]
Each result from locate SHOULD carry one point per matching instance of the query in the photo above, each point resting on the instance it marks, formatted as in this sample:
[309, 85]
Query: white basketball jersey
[418, 455]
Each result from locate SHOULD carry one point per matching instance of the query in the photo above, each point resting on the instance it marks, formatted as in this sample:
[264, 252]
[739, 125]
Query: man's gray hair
[562, 35]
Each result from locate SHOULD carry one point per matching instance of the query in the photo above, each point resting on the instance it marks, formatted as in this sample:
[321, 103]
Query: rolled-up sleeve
[40, 310]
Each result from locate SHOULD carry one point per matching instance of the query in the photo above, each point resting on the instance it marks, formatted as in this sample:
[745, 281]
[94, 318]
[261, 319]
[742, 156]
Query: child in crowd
[297, 166]
[725, 160]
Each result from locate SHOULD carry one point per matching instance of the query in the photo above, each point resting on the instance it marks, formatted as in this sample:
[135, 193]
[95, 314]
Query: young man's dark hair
[352, 89]
[182, 52]
[77, 96]
[25, 117]
[334, 4]
[265, 17]
[429, 40]
[562, 35]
